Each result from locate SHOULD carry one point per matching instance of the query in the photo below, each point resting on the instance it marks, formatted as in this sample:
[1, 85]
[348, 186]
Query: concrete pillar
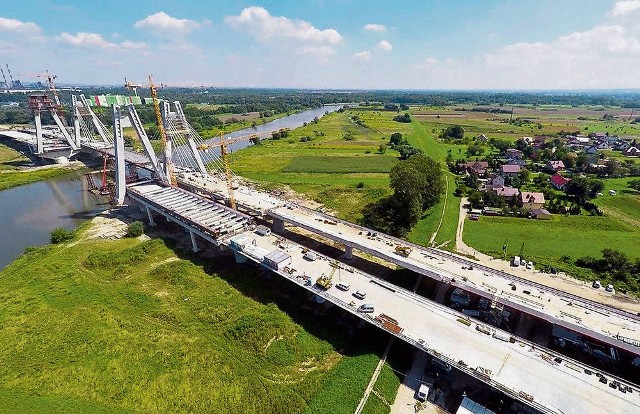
[278, 225]
[118, 143]
[194, 242]
[39, 141]
[240, 258]
[524, 326]
[348, 252]
[150, 215]
[168, 154]
[441, 292]
[196, 155]
[76, 121]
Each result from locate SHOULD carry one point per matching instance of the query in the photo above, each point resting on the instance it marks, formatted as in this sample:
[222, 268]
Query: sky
[328, 44]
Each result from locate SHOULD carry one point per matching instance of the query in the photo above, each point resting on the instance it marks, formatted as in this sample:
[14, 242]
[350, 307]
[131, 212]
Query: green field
[340, 164]
[129, 326]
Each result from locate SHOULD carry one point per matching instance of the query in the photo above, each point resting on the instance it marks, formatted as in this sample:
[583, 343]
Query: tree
[634, 185]
[135, 229]
[453, 132]
[474, 149]
[475, 199]
[396, 138]
[61, 235]
[472, 181]
[405, 118]
[583, 189]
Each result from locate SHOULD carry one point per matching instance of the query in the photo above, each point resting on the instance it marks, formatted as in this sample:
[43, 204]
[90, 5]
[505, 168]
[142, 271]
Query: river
[30, 212]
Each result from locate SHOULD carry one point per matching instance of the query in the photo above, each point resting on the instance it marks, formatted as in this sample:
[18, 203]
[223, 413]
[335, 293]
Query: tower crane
[227, 170]
[132, 86]
[6, 82]
[163, 133]
[10, 76]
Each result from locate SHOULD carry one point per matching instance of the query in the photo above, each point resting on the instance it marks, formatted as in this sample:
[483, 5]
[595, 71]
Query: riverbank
[209, 335]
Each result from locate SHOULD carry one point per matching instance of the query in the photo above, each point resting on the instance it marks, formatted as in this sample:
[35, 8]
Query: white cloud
[95, 40]
[624, 7]
[363, 56]
[83, 39]
[372, 27]
[162, 22]
[16, 26]
[384, 45]
[263, 26]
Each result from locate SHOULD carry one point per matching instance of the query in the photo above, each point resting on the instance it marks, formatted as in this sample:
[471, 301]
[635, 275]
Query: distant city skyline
[328, 44]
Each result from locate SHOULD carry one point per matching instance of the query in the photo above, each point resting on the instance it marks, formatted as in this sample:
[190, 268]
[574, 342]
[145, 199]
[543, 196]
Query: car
[359, 294]
[609, 288]
[343, 286]
[310, 256]
[423, 392]
[529, 265]
[366, 308]
[596, 284]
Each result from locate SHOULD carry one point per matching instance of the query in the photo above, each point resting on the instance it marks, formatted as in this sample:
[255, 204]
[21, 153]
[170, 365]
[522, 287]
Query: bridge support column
[348, 252]
[39, 141]
[118, 144]
[194, 242]
[240, 258]
[524, 325]
[441, 292]
[150, 215]
[278, 225]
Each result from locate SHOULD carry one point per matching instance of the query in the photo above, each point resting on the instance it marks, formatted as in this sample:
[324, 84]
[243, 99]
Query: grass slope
[126, 326]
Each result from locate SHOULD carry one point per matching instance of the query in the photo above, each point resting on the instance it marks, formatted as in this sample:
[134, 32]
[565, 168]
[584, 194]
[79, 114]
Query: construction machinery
[403, 251]
[163, 133]
[227, 170]
[325, 281]
[132, 86]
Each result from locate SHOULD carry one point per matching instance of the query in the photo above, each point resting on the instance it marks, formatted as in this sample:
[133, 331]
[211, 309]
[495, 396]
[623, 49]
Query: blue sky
[426, 44]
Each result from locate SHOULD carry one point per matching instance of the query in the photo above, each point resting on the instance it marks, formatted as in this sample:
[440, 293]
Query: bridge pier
[348, 252]
[278, 225]
[150, 215]
[240, 258]
[441, 292]
[194, 242]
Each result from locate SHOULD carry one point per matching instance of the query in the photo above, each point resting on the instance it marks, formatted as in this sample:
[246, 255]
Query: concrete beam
[150, 215]
[194, 242]
[278, 225]
[348, 252]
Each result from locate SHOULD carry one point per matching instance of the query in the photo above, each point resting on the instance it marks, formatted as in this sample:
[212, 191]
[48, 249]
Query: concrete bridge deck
[520, 369]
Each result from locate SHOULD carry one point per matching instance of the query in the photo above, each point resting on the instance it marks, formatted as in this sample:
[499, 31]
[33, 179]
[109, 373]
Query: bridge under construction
[191, 184]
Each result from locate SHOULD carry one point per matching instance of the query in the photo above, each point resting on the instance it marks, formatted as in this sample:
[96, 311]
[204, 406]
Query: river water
[30, 212]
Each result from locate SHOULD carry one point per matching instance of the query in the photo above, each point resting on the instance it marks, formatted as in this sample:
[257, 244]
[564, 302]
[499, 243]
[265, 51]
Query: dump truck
[403, 250]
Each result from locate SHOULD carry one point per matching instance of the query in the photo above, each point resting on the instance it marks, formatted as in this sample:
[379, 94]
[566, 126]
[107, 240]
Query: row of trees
[615, 264]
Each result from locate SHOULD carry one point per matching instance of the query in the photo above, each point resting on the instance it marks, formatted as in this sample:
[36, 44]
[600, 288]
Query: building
[558, 182]
[555, 165]
[468, 406]
[632, 152]
[531, 201]
[495, 181]
[509, 193]
[541, 214]
[277, 259]
[510, 170]
[478, 168]
[513, 153]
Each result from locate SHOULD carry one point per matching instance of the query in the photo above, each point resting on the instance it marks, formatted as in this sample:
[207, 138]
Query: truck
[516, 261]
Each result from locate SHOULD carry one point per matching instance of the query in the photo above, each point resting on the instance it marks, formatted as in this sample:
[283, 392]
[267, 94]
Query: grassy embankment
[129, 326]
[12, 175]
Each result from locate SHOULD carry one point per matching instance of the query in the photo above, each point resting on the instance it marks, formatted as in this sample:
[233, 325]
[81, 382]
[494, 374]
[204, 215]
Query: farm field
[130, 326]
[12, 176]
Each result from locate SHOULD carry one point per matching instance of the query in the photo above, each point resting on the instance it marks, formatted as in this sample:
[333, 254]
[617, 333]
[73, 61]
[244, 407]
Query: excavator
[403, 251]
[324, 281]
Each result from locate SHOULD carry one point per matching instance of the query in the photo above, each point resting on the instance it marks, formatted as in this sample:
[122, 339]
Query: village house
[558, 182]
[632, 152]
[541, 214]
[516, 161]
[531, 201]
[508, 193]
[478, 168]
[591, 150]
[513, 153]
[510, 170]
[554, 165]
[495, 181]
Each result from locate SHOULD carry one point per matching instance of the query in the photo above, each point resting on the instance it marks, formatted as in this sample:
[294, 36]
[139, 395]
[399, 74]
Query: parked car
[529, 265]
[343, 286]
[366, 308]
[596, 284]
[359, 294]
[609, 288]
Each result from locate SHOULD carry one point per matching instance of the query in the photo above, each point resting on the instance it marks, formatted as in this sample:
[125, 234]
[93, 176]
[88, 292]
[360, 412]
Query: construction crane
[6, 82]
[227, 170]
[132, 86]
[10, 76]
[163, 133]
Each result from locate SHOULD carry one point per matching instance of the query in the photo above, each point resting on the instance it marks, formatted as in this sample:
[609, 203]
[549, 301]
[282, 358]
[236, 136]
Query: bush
[135, 229]
[61, 235]
[406, 118]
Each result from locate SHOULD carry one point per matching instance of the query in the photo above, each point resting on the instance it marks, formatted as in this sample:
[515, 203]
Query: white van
[343, 286]
[516, 261]
[310, 256]
[366, 308]
[423, 392]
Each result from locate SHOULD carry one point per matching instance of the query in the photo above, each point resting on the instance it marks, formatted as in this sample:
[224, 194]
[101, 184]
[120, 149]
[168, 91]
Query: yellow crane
[163, 133]
[227, 170]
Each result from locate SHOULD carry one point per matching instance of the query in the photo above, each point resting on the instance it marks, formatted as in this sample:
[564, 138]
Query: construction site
[543, 349]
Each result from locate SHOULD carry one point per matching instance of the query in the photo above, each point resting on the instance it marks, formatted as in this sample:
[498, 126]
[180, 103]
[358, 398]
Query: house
[513, 153]
[509, 193]
[554, 165]
[622, 145]
[541, 214]
[531, 201]
[600, 135]
[593, 149]
[516, 161]
[495, 181]
[482, 138]
[558, 182]
[539, 140]
[477, 167]
[510, 170]
[632, 152]
[527, 140]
